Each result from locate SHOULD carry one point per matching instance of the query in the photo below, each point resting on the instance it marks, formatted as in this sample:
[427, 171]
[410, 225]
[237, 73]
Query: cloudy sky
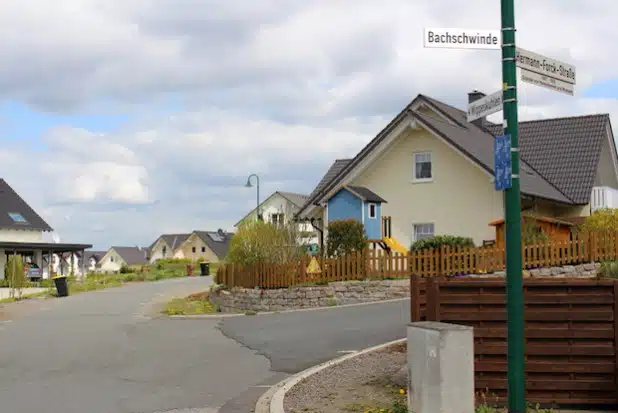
[121, 120]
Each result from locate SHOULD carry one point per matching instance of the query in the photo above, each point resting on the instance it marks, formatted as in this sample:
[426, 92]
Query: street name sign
[485, 106]
[545, 66]
[463, 39]
[547, 82]
[502, 163]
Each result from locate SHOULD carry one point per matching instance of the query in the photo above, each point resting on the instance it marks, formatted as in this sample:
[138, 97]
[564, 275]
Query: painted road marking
[347, 351]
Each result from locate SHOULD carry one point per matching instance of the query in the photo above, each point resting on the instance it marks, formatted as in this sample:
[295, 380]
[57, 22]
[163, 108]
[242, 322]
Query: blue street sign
[502, 162]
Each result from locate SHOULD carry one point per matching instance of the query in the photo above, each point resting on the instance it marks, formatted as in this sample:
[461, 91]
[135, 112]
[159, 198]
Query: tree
[267, 243]
[16, 276]
[601, 220]
[345, 236]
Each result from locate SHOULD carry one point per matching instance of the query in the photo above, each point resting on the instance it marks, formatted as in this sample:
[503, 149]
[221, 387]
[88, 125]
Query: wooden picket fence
[446, 261]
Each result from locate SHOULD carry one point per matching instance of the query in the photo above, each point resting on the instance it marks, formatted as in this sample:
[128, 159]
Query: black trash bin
[204, 268]
[61, 285]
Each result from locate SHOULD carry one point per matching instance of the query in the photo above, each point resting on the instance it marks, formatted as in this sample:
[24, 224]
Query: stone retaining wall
[566, 271]
[338, 293]
[353, 292]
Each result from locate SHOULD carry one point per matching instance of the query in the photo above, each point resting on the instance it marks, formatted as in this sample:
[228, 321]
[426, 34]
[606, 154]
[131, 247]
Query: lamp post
[249, 185]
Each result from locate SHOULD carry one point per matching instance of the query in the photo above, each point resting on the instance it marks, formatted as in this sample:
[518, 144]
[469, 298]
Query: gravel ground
[356, 385]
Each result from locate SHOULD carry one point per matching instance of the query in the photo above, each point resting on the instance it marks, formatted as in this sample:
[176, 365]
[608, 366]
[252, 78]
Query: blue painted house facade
[358, 203]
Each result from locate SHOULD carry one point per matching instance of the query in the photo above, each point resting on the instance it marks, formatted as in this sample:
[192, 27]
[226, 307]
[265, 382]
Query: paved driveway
[97, 352]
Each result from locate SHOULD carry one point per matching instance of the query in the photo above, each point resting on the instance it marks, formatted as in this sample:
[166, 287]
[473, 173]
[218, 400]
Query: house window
[203, 249]
[164, 251]
[373, 211]
[111, 259]
[277, 219]
[422, 231]
[193, 250]
[422, 166]
[17, 217]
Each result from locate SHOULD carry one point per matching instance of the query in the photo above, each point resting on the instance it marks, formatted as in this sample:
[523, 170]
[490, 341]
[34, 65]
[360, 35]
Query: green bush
[173, 263]
[532, 234]
[609, 269]
[125, 269]
[601, 220]
[262, 242]
[439, 240]
[345, 236]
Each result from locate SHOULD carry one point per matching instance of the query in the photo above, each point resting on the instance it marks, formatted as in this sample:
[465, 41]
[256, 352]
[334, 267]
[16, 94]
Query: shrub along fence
[445, 261]
[571, 334]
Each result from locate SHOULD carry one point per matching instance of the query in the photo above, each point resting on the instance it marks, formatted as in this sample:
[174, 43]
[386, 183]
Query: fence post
[415, 298]
[432, 303]
[615, 282]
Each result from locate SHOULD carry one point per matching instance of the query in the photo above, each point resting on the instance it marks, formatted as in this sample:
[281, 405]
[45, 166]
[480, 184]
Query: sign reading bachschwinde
[545, 66]
[485, 106]
[463, 39]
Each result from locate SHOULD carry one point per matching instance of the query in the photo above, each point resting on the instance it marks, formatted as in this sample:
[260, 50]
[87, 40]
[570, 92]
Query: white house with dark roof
[117, 257]
[280, 208]
[435, 171]
[21, 233]
[208, 245]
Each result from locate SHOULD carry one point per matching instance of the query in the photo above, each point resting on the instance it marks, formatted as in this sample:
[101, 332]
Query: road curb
[272, 400]
[296, 310]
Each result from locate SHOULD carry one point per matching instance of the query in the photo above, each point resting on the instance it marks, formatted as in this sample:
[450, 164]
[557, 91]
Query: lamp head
[248, 184]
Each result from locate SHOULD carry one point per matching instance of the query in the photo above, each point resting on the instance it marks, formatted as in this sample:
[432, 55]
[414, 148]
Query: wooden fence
[446, 261]
[571, 334]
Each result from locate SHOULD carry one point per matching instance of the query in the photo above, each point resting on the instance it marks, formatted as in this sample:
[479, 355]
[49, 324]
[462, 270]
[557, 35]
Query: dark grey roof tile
[132, 255]
[24, 217]
[366, 194]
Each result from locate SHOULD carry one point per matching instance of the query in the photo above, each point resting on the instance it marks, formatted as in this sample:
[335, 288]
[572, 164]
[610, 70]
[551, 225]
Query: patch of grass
[251, 313]
[194, 304]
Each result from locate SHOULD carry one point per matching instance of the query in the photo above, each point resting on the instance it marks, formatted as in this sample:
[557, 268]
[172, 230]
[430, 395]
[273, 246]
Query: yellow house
[211, 246]
[117, 257]
[435, 169]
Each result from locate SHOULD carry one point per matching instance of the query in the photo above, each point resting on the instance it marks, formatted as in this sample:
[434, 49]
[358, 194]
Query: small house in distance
[358, 203]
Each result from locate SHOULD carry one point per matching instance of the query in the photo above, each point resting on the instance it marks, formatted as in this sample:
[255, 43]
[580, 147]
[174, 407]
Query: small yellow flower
[402, 391]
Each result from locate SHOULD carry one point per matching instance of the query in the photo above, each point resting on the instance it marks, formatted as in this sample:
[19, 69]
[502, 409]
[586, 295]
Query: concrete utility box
[440, 368]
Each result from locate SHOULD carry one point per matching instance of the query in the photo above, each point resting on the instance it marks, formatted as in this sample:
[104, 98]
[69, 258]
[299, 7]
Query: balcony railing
[603, 197]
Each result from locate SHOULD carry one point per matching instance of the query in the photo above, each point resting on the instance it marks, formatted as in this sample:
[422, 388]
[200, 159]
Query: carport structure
[34, 252]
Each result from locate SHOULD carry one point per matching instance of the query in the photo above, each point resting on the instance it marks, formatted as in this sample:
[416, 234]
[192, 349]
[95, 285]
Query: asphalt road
[100, 352]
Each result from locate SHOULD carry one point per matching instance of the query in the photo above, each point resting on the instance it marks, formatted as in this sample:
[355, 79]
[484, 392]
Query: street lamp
[249, 185]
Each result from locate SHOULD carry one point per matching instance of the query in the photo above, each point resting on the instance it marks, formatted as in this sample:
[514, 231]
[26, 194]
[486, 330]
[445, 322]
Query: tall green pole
[514, 259]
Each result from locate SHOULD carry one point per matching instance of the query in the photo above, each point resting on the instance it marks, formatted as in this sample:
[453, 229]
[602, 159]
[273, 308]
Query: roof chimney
[473, 97]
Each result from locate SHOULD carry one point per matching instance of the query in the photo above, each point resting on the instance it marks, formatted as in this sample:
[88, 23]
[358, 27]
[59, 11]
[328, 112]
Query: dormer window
[17, 217]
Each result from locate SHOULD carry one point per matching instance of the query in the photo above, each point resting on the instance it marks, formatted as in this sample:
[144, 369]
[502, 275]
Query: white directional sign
[463, 39]
[545, 66]
[485, 106]
[548, 82]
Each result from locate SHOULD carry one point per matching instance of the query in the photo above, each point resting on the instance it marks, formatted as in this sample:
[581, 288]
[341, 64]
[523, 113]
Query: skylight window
[17, 217]
[215, 237]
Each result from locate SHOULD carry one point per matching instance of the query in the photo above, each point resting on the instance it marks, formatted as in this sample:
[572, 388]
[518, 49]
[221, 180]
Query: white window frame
[419, 224]
[431, 159]
[375, 210]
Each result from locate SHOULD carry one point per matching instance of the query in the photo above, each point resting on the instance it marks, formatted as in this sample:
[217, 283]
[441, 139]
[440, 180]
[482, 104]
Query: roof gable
[298, 200]
[15, 213]
[217, 241]
[131, 255]
[364, 194]
[543, 174]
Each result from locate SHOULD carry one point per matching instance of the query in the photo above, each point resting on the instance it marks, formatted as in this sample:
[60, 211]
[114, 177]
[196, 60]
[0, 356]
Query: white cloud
[277, 87]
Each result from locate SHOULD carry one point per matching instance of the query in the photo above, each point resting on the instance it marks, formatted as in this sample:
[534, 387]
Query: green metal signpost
[514, 259]
[540, 71]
